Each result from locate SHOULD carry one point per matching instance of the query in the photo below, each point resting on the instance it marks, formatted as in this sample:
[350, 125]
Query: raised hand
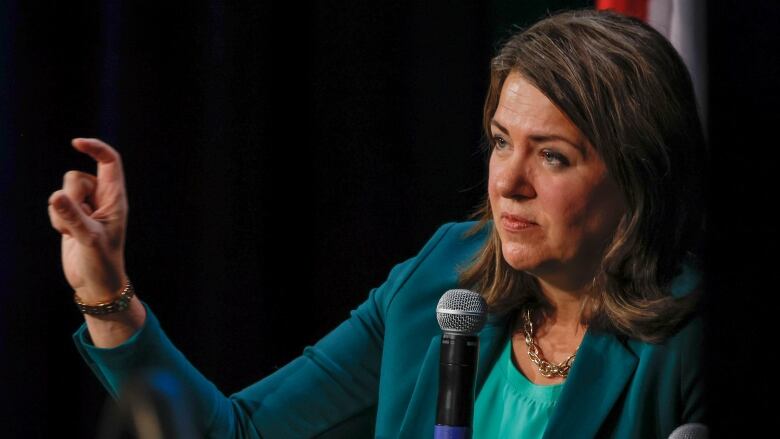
[91, 214]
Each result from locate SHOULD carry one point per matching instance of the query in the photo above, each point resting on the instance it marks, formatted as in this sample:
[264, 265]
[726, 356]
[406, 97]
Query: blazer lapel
[421, 413]
[601, 370]
[491, 340]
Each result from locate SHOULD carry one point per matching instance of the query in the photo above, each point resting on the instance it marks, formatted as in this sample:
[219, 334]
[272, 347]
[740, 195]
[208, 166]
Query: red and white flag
[684, 23]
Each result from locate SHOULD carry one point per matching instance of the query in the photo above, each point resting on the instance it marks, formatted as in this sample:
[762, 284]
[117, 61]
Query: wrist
[109, 289]
[111, 330]
[115, 304]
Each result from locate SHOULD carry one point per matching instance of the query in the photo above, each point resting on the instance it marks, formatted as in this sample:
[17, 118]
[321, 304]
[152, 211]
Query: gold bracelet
[101, 308]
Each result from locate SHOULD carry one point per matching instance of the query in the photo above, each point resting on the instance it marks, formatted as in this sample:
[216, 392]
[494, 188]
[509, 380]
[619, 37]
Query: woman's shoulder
[686, 342]
[436, 267]
[459, 234]
[453, 246]
[689, 333]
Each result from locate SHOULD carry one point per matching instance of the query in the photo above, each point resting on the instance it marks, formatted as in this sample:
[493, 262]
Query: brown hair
[628, 91]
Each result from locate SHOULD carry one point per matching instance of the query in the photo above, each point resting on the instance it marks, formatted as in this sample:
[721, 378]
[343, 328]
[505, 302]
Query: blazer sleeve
[332, 386]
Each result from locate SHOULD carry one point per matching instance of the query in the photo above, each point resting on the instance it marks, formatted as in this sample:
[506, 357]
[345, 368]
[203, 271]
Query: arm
[90, 212]
[111, 330]
[332, 384]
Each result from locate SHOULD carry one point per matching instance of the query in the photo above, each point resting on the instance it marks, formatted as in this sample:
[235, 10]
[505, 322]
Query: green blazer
[376, 374]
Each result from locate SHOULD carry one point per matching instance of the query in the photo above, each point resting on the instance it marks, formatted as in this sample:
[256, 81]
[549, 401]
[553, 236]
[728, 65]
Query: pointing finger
[109, 161]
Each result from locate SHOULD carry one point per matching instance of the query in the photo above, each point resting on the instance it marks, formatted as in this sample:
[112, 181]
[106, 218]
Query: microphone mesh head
[461, 311]
[693, 430]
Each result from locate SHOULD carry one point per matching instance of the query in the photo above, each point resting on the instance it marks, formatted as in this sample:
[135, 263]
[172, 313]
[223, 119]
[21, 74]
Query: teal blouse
[510, 405]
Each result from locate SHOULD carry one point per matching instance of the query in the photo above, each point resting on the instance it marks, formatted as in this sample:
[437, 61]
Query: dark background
[281, 157]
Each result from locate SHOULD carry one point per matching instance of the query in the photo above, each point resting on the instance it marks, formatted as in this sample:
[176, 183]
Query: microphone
[692, 430]
[461, 315]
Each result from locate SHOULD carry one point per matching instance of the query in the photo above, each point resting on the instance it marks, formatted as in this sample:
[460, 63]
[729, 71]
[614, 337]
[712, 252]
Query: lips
[516, 222]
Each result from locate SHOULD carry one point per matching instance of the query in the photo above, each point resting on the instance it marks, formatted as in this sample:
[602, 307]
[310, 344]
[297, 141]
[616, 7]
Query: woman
[583, 251]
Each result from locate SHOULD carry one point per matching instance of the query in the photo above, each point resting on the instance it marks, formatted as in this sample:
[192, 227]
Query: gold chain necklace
[545, 367]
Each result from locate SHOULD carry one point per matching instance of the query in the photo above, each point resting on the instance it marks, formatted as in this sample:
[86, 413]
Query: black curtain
[281, 157]
[744, 65]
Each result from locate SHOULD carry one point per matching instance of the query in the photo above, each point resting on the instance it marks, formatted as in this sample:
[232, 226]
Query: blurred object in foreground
[153, 406]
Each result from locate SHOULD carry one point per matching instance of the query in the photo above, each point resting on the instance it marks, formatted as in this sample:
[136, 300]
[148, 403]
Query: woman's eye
[554, 159]
[499, 142]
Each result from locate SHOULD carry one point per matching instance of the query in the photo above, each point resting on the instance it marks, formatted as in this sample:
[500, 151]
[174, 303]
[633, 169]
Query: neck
[568, 306]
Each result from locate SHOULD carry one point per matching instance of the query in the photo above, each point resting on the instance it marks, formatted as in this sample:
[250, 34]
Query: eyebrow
[541, 137]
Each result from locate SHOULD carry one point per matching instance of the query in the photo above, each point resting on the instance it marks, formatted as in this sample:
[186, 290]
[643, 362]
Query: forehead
[522, 106]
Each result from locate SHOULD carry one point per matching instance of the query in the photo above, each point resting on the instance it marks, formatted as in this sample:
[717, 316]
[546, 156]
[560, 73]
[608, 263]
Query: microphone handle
[457, 369]
[446, 432]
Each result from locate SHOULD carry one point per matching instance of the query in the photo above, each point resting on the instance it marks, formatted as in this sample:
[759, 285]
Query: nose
[514, 179]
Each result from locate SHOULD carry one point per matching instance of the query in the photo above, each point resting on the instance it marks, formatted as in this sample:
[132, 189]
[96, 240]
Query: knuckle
[105, 146]
[54, 195]
[103, 143]
[114, 154]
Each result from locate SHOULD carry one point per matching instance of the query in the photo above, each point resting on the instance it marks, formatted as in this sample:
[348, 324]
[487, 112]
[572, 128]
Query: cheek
[577, 215]
[562, 204]
[491, 191]
[492, 177]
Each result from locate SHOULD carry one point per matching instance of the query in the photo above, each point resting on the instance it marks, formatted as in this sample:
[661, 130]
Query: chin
[519, 258]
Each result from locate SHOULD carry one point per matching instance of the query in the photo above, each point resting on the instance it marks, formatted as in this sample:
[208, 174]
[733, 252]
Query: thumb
[82, 227]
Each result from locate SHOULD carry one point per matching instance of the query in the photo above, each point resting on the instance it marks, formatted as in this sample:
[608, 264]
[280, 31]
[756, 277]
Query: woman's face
[554, 205]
